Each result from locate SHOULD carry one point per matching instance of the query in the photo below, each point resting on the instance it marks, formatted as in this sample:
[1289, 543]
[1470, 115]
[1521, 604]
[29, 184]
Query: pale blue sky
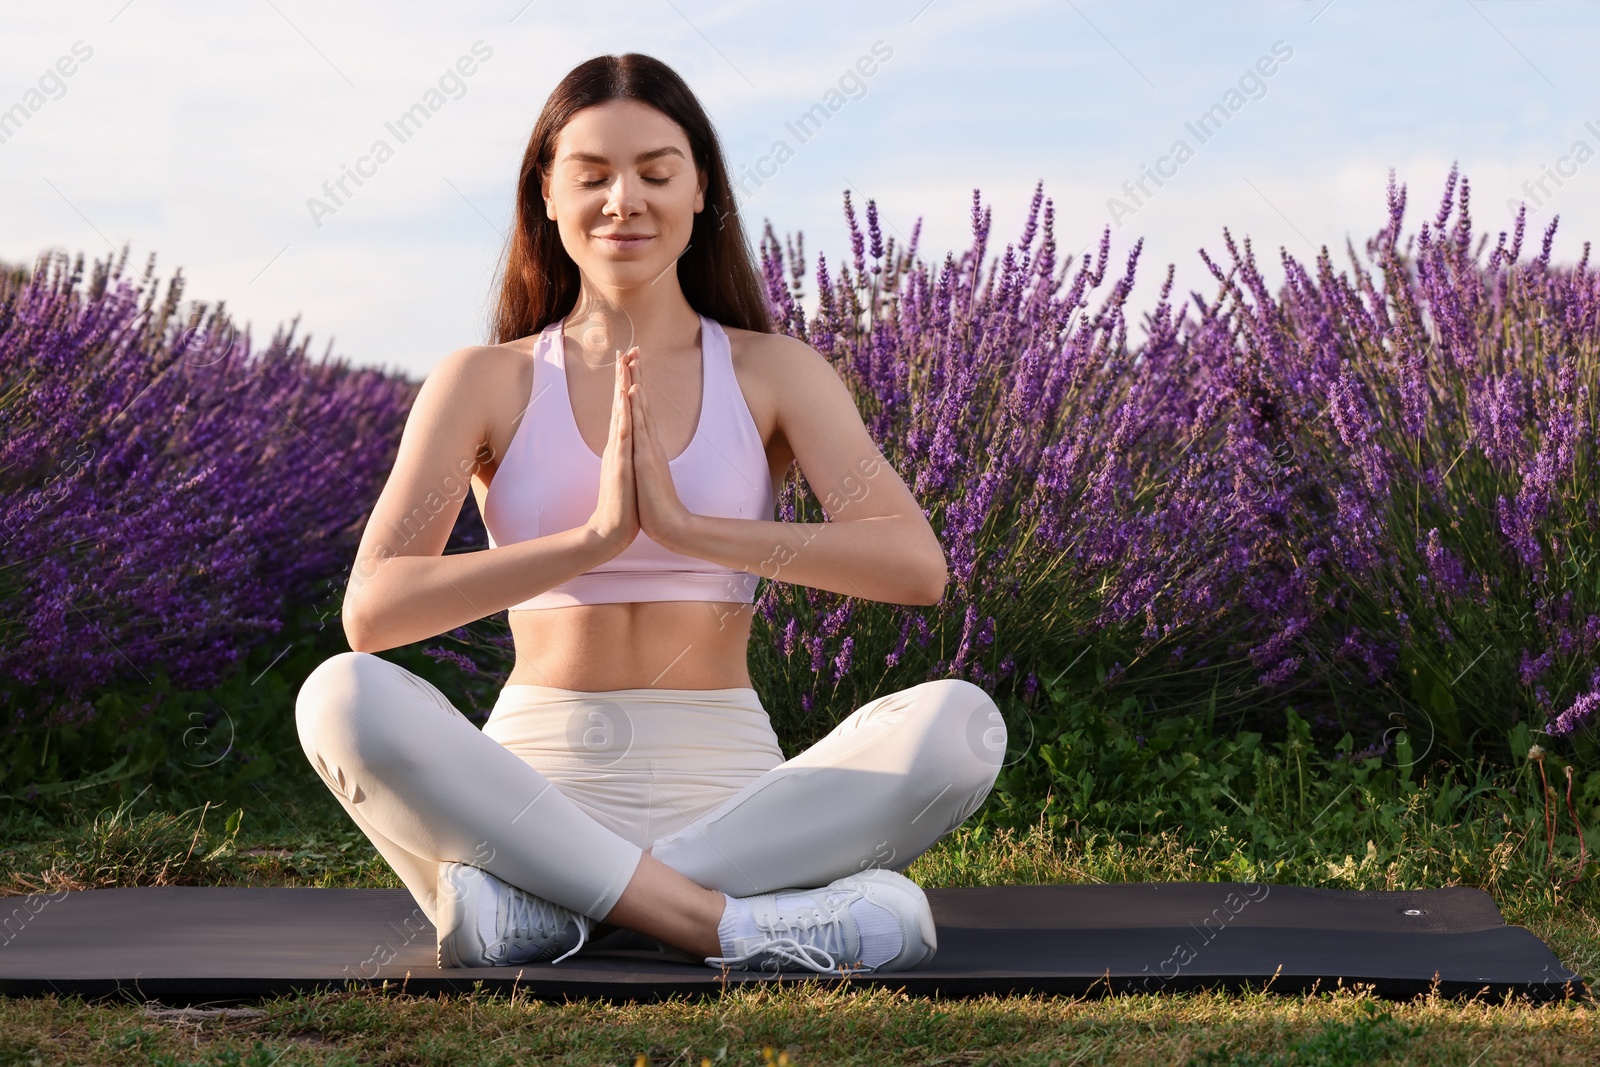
[199, 132]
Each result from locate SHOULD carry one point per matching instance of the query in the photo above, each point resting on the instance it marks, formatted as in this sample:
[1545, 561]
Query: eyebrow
[642, 157]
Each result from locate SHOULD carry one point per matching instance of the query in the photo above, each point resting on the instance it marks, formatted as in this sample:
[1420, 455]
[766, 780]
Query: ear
[544, 196]
[699, 191]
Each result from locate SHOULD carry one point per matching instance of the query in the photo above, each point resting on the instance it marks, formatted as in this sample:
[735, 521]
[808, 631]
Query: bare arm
[884, 557]
[405, 599]
[402, 589]
[877, 545]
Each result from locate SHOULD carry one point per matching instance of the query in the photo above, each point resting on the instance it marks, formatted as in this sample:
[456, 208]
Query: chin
[630, 266]
[624, 275]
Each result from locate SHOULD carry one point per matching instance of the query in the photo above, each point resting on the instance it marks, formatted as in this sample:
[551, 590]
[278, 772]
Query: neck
[608, 320]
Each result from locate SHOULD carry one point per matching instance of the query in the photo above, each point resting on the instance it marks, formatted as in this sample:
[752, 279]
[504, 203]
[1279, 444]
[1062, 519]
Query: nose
[625, 199]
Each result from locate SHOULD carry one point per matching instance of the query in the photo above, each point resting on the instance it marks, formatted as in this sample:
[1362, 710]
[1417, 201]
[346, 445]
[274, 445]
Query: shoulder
[459, 383]
[479, 362]
[758, 342]
[785, 381]
[799, 391]
[462, 368]
[471, 385]
[486, 372]
[774, 359]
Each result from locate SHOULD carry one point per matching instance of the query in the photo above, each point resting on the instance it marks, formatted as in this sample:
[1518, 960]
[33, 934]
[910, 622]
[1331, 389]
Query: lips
[625, 240]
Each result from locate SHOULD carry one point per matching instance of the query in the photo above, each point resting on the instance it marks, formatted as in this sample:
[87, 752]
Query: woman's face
[623, 167]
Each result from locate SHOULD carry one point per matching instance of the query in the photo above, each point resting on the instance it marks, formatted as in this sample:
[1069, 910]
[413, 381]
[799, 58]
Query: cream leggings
[562, 790]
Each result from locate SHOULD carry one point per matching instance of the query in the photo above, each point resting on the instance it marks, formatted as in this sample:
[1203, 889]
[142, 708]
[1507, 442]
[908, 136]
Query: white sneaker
[822, 929]
[485, 921]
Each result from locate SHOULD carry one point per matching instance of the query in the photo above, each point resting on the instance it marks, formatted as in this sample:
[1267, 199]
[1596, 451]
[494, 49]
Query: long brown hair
[539, 280]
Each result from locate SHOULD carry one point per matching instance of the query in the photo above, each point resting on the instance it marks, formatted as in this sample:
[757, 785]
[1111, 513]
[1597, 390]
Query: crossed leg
[427, 786]
[892, 778]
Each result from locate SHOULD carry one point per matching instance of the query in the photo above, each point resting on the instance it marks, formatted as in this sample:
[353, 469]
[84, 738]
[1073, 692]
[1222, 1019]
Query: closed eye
[602, 181]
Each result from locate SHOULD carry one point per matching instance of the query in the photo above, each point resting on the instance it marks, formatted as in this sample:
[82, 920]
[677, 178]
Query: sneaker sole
[452, 914]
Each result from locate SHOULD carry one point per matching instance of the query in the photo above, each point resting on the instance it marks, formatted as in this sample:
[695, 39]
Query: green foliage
[1277, 809]
[230, 745]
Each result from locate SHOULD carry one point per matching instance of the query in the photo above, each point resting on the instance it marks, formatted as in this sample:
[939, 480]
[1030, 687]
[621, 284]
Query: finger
[627, 405]
[616, 397]
[619, 400]
[619, 413]
[646, 430]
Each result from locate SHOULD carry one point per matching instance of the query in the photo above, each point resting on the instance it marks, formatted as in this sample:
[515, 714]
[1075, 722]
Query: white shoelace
[822, 926]
[810, 957]
[529, 915]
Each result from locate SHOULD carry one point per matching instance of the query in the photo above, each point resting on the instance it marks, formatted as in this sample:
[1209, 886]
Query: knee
[965, 737]
[335, 686]
[334, 699]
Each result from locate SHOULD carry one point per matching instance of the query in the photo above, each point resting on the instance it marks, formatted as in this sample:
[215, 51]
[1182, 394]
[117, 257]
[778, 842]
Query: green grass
[282, 841]
[813, 1025]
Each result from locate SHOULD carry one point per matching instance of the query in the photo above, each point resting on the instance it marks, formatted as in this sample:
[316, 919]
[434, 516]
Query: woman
[625, 437]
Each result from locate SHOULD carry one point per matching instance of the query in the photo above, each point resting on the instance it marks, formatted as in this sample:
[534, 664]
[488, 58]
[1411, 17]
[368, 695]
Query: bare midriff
[668, 644]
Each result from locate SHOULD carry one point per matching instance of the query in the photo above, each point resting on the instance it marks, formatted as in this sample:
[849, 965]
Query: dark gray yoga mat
[186, 944]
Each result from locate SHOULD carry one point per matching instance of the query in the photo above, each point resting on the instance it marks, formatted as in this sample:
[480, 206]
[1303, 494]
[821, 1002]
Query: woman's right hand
[616, 512]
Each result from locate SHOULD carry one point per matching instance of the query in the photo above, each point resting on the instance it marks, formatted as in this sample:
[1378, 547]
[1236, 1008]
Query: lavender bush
[165, 493]
[1368, 498]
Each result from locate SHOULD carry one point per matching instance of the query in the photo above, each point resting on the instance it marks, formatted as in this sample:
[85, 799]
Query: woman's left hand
[661, 514]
